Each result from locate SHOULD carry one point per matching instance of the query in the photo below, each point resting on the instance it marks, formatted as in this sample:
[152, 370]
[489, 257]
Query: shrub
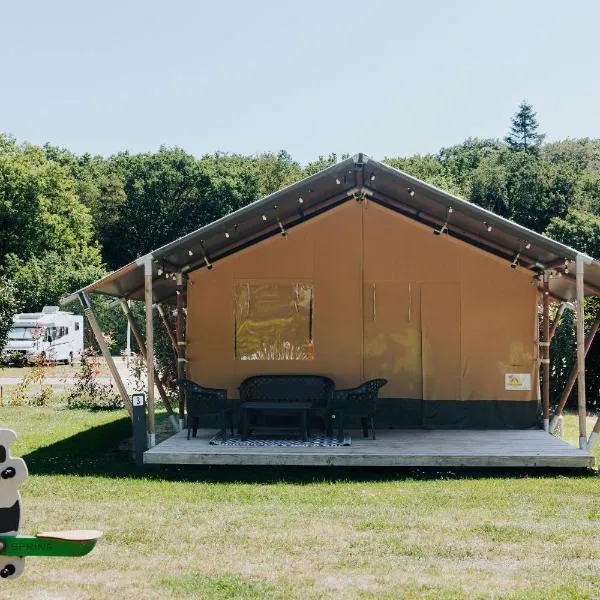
[88, 392]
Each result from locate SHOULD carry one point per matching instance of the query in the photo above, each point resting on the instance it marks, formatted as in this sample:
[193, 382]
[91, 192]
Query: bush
[87, 391]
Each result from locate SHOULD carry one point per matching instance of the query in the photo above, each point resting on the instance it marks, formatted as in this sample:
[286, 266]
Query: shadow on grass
[102, 451]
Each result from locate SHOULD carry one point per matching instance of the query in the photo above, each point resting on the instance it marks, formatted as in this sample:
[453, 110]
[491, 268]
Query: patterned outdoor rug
[315, 441]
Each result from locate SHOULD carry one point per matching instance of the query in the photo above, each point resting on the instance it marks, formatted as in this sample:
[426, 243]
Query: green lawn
[295, 533]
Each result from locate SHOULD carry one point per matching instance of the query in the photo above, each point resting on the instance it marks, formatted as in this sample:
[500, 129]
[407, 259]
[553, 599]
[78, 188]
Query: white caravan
[52, 334]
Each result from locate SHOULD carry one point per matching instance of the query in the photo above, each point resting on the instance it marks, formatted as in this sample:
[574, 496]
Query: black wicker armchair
[358, 402]
[203, 401]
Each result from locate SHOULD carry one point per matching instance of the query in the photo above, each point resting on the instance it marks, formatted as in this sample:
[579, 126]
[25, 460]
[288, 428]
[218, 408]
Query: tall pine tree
[524, 134]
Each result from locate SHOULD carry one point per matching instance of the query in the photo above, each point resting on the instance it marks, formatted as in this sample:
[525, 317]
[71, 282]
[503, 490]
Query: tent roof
[358, 177]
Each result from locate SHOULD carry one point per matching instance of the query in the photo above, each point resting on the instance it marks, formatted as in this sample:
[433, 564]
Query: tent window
[273, 321]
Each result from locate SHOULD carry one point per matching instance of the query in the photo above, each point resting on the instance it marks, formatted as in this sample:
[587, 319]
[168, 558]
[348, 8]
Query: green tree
[536, 191]
[99, 186]
[323, 162]
[38, 209]
[46, 247]
[163, 197]
[276, 171]
[43, 279]
[9, 305]
[523, 135]
[460, 161]
[587, 192]
[579, 230]
[488, 186]
[428, 168]
[579, 154]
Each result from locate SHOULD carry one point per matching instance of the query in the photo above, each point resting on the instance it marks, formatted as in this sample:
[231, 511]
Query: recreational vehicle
[51, 334]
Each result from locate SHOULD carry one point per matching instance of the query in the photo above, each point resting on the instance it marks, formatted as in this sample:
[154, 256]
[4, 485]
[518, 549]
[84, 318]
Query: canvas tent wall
[442, 321]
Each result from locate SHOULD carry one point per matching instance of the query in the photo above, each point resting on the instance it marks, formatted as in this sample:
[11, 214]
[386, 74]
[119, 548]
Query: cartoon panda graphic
[13, 472]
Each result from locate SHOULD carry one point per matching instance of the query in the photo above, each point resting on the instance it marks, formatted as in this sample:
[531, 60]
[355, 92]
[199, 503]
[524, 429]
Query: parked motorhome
[52, 334]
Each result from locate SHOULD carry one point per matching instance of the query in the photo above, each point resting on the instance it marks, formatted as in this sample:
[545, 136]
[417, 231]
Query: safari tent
[359, 272]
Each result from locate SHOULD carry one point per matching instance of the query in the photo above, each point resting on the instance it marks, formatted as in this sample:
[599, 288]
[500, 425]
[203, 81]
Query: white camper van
[53, 334]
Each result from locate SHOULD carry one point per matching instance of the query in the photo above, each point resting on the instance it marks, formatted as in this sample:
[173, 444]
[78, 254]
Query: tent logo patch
[517, 381]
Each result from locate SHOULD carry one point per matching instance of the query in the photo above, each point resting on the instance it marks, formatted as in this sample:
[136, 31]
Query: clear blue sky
[386, 78]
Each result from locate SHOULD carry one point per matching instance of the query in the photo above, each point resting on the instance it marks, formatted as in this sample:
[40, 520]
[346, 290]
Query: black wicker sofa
[305, 395]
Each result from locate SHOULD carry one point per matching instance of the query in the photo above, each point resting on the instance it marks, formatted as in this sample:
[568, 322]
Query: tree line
[67, 219]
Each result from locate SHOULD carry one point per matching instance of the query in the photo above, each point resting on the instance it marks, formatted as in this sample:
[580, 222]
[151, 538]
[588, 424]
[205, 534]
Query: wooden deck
[398, 448]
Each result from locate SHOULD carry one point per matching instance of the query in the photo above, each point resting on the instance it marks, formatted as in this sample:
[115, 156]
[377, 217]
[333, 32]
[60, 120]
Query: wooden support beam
[142, 346]
[557, 318]
[181, 348]
[581, 352]
[110, 363]
[594, 436]
[167, 324]
[545, 347]
[149, 300]
[573, 375]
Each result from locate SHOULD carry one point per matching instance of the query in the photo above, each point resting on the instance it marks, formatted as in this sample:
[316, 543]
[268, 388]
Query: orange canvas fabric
[440, 319]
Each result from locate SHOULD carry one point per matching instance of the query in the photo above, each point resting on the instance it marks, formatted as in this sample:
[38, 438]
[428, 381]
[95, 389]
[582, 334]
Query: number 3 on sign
[137, 400]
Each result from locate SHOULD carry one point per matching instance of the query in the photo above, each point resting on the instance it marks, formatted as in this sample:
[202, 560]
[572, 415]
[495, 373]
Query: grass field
[295, 533]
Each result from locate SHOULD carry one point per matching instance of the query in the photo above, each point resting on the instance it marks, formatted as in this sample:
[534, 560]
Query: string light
[444, 228]
[515, 263]
[283, 231]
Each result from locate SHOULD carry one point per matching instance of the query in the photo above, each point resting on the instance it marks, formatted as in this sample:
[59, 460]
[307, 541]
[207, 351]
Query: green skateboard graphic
[14, 547]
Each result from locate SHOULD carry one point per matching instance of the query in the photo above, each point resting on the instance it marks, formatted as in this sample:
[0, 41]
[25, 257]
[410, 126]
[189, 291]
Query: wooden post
[140, 342]
[150, 348]
[91, 317]
[545, 346]
[165, 320]
[580, 352]
[559, 313]
[573, 375]
[181, 346]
